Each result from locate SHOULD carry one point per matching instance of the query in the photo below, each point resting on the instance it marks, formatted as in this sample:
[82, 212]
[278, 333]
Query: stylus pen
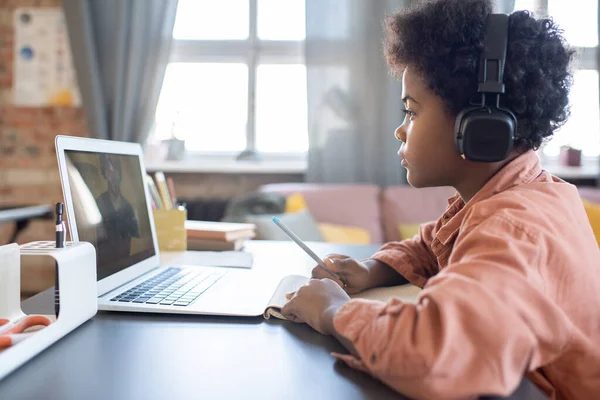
[308, 251]
[60, 242]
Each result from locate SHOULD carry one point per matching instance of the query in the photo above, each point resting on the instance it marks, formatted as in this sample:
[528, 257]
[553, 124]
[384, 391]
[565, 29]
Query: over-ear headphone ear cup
[486, 134]
[459, 125]
[511, 116]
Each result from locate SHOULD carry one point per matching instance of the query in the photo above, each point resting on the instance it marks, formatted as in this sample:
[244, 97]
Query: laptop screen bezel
[68, 143]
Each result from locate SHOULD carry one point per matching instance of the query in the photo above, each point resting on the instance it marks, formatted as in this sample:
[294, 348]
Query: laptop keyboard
[175, 286]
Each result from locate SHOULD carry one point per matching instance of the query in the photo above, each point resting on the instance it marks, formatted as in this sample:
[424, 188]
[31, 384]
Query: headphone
[485, 132]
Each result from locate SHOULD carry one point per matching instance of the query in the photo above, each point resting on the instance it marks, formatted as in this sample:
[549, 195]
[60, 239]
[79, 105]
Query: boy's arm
[411, 258]
[479, 326]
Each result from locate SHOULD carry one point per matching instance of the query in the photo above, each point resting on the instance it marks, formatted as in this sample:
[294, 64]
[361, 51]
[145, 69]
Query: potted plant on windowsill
[570, 156]
[175, 145]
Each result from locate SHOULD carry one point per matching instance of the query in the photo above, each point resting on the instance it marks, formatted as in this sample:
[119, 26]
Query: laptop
[108, 204]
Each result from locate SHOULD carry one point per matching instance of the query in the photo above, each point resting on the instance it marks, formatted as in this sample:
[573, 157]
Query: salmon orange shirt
[511, 288]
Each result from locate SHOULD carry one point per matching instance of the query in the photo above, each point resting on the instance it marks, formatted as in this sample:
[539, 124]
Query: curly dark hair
[442, 41]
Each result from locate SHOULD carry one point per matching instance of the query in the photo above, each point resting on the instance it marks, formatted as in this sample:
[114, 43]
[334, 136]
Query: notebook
[291, 283]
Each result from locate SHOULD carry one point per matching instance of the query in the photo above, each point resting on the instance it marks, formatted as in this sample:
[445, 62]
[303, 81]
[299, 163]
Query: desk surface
[158, 356]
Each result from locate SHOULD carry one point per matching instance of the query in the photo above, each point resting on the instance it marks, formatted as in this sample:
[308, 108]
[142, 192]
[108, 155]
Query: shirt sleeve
[478, 326]
[412, 258]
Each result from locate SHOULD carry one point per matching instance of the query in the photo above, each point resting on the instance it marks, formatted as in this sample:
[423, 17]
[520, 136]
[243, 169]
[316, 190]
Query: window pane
[529, 5]
[212, 20]
[281, 109]
[579, 20]
[206, 104]
[281, 20]
[582, 130]
[321, 26]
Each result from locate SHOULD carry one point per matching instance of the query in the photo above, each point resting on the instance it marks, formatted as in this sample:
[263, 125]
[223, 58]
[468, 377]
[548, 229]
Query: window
[236, 80]
[579, 21]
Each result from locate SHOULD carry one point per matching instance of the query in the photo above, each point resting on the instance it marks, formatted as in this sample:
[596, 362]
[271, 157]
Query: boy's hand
[316, 303]
[353, 273]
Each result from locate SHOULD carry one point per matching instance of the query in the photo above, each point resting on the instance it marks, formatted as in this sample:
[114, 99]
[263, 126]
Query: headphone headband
[485, 133]
[493, 56]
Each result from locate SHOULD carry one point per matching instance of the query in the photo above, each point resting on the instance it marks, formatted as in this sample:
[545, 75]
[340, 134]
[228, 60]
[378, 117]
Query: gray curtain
[353, 101]
[120, 51]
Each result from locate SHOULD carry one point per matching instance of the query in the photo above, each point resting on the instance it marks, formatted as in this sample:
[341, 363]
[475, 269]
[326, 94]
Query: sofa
[378, 211]
[381, 212]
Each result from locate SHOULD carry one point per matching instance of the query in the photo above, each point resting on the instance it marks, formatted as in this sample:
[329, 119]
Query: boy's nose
[400, 133]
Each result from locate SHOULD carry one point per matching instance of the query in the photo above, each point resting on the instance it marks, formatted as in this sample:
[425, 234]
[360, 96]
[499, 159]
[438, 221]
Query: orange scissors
[14, 332]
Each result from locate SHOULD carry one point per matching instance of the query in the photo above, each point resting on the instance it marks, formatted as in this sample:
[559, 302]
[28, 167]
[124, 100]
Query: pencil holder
[170, 229]
[76, 264]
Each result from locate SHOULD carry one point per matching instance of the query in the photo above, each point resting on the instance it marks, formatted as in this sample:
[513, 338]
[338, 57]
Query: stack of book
[217, 236]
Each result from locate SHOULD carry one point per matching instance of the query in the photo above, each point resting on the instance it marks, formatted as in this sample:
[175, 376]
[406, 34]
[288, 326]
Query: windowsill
[229, 166]
[589, 170]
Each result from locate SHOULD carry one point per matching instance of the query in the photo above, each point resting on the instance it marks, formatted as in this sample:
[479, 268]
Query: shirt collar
[523, 169]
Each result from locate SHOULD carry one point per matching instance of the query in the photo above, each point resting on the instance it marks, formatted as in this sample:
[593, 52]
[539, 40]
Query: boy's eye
[408, 113]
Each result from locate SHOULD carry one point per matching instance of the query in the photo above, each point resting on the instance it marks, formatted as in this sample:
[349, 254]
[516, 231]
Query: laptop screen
[109, 204]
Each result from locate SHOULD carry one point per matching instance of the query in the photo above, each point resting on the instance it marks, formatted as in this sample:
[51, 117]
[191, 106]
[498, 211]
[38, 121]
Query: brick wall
[225, 186]
[28, 169]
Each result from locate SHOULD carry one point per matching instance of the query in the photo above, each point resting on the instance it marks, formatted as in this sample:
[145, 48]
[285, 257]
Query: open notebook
[292, 283]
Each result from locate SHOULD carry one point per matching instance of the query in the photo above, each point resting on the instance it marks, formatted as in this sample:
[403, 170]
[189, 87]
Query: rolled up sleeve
[412, 258]
[477, 328]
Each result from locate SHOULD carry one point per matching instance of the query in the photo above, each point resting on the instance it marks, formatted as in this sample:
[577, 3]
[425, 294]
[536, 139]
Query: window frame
[254, 51]
[251, 51]
[587, 58]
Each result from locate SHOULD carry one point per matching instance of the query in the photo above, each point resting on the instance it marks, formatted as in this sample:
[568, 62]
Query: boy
[511, 271]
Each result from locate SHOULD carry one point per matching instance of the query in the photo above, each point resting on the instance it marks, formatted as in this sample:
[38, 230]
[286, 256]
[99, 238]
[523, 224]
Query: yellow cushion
[331, 233]
[344, 234]
[294, 203]
[593, 213]
[407, 231]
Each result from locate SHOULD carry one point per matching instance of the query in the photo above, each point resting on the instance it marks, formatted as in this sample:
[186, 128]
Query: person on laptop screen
[511, 271]
[119, 222]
